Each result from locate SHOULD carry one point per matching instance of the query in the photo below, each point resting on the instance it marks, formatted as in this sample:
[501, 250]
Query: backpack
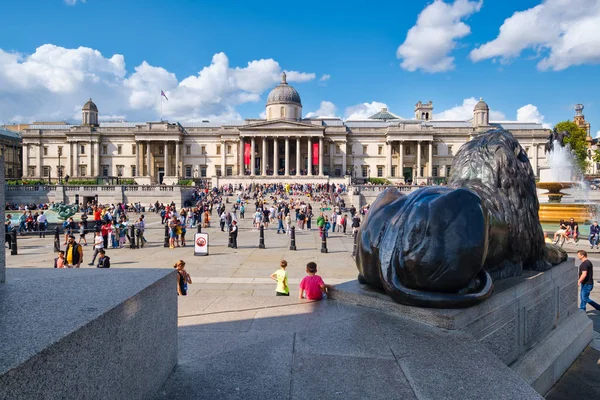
[105, 263]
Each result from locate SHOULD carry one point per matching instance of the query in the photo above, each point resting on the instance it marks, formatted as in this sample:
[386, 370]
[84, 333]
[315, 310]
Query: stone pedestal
[87, 333]
[532, 323]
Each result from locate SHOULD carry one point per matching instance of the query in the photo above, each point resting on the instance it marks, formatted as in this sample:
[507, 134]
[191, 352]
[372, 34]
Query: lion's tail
[402, 294]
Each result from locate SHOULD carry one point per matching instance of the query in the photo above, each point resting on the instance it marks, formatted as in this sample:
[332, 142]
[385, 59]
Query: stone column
[252, 156]
[223, 159]
[25, 162]
[535, 159]
[167, 169]
[69, 166]
[177, 159]
[263, 158]
[77, 159]
[321, 157]
[401, 160]
[344, 158]
[419, 160]
[97, 151]
[276, 156]
[40, 149]
[241, 161]
[148, 162]
[430, 161]
[137, 159]
[287, 156]
[388, 159]
[298, 154]
[331, 156]
[309, 162]
[442, 171]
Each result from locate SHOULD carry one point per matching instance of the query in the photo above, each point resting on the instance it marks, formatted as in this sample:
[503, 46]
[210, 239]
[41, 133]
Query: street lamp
[369, 173]
[353, 169]
[178, 170]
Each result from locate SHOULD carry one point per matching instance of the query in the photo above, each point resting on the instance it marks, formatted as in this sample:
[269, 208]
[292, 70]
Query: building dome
[90, 106]
[481, 105]
[384, 115]
[283, 93]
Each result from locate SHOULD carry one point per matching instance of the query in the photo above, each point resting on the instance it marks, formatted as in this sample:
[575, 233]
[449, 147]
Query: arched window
[282, 112]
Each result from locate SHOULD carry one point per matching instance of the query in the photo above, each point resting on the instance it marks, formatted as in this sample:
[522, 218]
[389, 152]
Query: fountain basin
[554, 189]
[554, 212]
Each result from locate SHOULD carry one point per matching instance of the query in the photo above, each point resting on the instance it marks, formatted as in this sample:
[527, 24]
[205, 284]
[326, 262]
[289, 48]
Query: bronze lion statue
[441, 246]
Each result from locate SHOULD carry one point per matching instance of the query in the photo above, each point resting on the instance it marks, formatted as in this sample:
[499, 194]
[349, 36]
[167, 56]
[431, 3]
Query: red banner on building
[315, 157]
[247, 153]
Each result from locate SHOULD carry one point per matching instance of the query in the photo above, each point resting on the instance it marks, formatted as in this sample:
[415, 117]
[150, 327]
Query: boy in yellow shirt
[282, 280]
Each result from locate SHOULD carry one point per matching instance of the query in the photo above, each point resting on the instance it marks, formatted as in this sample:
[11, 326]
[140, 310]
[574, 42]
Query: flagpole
[161, 106]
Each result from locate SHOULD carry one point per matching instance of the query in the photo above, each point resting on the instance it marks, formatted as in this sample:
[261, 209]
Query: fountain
[562, 173]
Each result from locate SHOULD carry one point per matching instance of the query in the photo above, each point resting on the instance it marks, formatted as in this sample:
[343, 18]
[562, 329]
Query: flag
[315, 157]
[163, 94]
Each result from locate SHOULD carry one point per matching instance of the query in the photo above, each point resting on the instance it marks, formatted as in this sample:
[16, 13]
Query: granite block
[106, 333]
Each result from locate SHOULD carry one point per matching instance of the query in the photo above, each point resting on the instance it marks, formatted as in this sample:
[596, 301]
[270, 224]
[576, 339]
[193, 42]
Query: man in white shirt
[41, 220]
[98, 245]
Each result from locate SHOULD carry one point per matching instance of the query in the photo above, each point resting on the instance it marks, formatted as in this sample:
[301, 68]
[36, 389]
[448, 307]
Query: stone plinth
[532, 323]
[87, 333]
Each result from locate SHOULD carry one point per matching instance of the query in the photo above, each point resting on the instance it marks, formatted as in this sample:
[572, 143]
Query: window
[228, 149]
[203, 172]
[229, 170]
[188, 171]
[449, 150]
[104, 149]
[105, 170]
[82, 149]
[133, 170]
[393, 170]
[82, 170]
[435, 172]
[447, 170]
[379, 150]
[364, 171]
[218, 149]
[120, 169]
[188, 149]
[46, 172]
[119, 149]
[338, 171]
[338, 149]
[326, 150]
[407, 150]
[435, 150]
[203, 150]
[379, 171]
[364, 149]
[134, 150]
[527, 151]
[30, 171]
[45, 150]
[218, 170]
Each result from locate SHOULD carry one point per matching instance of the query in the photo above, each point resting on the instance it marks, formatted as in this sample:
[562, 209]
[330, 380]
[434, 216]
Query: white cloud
[54, 82]
[324, 77]
[364, 110]
[530, 113]
[429, 42]
[464, 112]
[327, 109]
[563, 32]
[73, 2]
[598, 134]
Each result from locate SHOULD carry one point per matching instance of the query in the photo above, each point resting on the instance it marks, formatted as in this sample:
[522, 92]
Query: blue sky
[347, 58]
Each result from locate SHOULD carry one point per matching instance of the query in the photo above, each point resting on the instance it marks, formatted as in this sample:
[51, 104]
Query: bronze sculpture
[558, 137]
[443, 246]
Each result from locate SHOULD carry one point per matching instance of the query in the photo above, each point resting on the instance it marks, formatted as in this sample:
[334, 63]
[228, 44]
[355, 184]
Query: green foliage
[379, 181]
[15, 182]
[596, 156]
[185, 182]
[82, 182]
[577, 141]
[128, 182]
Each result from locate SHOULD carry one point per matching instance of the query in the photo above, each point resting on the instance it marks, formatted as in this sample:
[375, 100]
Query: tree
[577, 140]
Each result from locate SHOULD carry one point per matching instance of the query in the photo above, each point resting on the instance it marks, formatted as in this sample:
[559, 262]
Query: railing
[381, 188]
[96, 188]
[29, 188]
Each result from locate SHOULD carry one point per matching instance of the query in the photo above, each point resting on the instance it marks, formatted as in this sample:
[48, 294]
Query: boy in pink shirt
[312, 286]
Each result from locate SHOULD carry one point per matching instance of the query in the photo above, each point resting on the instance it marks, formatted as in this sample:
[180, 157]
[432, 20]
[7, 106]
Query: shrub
[15, 182]
[82, 182]
[128, 182]
[379, 181]
[185, 182]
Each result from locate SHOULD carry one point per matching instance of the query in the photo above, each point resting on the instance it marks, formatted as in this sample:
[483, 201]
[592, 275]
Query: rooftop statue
[443, 246]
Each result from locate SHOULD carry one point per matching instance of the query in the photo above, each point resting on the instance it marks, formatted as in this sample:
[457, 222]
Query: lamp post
[59, 168]
[369, 173]
[352, 177]
[178, 173]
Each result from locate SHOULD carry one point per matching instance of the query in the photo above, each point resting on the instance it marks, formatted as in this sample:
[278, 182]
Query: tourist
[104, 230]
[42, 222]
[355, 224]
[172, 223]
[561, 232]
[103, 260]
[7, 230]
[326, 227]
[73, 253]
[68, 226]
[234, 234]
[594, 235]
[312, 286]
[183, 278]
[573, 231]
[242, 211]
[281, 277]
[183, 231]
[59, 262]
[23, 228]
[288, 221]
[98, 245]
[320, 224]
[141, 227]
[586, 280]
[122, 232]
[82, 234]
[280, 222]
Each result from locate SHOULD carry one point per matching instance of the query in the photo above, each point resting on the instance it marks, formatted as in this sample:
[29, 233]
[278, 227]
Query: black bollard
[230, 244]
[199, 227]
[56, 240]
[293, 238]
[324, 242]
[166, 244]
[138, 237]
[261, 243]
[13, 243]
[132, 237]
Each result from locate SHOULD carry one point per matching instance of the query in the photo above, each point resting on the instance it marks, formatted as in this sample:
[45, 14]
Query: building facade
[11, 148]
[282, 146]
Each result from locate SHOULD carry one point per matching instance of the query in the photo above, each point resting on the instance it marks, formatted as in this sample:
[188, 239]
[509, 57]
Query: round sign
[201, 242]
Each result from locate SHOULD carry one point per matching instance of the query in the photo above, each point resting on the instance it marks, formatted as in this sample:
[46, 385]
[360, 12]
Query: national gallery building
[282, 147]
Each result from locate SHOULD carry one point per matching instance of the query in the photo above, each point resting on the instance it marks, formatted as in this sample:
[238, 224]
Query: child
[281, 277]
[183, 231]
[312, 286]
[82, 234]
[104, 260]
[122, 232]
[59, 262]
[183, 278]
